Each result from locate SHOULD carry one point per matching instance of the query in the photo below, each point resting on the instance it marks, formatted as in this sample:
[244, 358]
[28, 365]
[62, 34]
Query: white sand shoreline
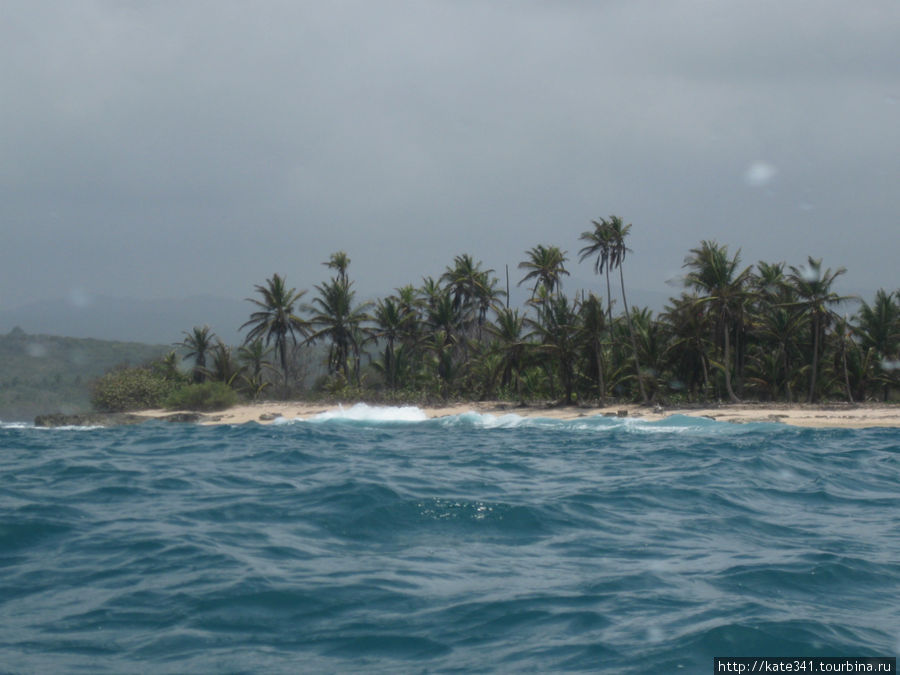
[854, 416]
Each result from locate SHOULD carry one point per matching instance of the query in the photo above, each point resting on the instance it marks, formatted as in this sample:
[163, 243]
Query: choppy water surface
[469, 543]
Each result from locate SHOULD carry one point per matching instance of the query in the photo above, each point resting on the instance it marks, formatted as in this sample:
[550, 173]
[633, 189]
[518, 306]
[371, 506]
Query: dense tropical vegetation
[766, 332]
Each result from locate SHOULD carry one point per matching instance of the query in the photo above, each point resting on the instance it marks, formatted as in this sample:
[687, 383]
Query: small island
[763, 342]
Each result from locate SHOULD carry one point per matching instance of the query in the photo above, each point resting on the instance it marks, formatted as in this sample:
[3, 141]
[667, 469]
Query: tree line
[764, 332]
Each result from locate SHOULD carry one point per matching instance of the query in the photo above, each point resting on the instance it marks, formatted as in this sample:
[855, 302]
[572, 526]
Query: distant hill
[127, 319]
[45, 373]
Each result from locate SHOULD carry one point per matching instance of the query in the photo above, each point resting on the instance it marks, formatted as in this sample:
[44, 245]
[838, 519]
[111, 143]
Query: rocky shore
[110, 419]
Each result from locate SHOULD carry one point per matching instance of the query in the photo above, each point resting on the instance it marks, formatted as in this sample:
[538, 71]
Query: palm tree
[252, 357]
[276, 319]
[508, 333]
[223, 369]
[337, 319]
[617, 231]
[389, 322]
[546, 265]
[599, 243]
[593, 327]
[556, 327]
[473, 290]
[198, 343]
[339, 261]
[715, 275]
[167, 367]
[687, 351]
[813, 286]
[879, 331]
[651, 341]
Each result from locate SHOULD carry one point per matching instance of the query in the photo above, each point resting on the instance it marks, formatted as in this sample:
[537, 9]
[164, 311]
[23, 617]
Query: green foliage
[206, 396]
[128, 389]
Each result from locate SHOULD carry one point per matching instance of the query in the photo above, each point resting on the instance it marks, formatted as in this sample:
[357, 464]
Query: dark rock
[88, 420]
[183, 417]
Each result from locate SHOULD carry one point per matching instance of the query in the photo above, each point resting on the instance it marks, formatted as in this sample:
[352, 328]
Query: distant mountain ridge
[48, 373]
[128, 319]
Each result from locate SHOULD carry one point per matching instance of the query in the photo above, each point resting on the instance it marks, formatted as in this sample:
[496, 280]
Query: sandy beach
[827, 415]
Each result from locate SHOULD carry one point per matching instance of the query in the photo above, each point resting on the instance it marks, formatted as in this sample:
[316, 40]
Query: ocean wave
[363, 412]
[366, 415]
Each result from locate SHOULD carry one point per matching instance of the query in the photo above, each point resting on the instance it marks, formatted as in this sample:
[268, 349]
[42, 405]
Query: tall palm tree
[389, 325]
[411, 306]
[599, 243]
[813, 286]
[339, 320]
[277, 318]
[723, 288]
[546, 265]
[473, 290]
[198, 343]
[339, 261]
[617, 232]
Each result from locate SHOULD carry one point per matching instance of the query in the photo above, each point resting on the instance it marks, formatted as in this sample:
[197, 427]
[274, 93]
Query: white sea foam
[362, 412]
[30, 425]
[15, 425]
[485, 420]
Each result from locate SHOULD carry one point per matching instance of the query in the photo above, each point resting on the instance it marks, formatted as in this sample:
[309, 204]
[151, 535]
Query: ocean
[374, 540]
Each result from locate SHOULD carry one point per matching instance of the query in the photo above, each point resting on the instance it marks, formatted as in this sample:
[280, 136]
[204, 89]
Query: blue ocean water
[381, 542]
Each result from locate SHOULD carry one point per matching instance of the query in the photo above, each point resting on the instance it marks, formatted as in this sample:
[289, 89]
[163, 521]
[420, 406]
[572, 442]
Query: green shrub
[205, 396]
[130, 389]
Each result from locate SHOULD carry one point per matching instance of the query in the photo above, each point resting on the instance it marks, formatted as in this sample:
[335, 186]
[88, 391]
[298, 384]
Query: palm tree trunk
[608, 297]
[598, 353]
[787, 377]
[731, 395]
[634, 349]
[846, 373]
[815, 361]
[280, 346]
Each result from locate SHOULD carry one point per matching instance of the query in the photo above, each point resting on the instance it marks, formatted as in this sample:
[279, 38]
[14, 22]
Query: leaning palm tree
[617, 231]
[276, 319]
[813, 286]
[599, 243]
[715, 276]
[198, 343]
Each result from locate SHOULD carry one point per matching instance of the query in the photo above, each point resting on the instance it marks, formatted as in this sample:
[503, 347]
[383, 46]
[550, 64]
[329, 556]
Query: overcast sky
[161, 149]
